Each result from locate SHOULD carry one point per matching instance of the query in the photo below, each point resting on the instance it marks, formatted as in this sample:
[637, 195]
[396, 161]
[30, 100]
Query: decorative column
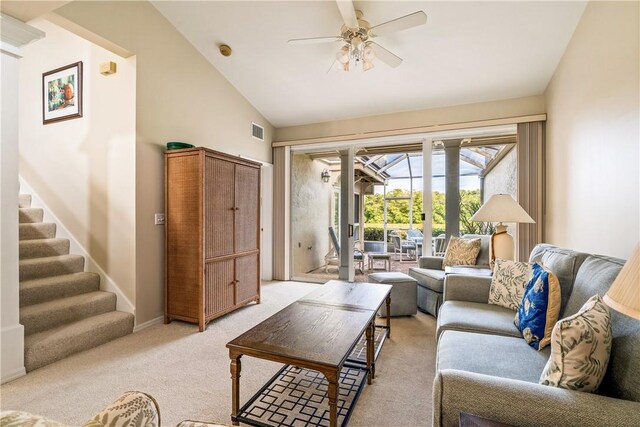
[346, 215]
[427, 196]
[452, 183]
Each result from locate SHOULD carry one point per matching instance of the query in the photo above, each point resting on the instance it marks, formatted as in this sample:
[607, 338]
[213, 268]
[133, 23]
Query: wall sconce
[325, 176]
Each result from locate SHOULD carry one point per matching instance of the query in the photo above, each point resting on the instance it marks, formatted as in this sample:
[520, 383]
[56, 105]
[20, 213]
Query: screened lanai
[388, 193]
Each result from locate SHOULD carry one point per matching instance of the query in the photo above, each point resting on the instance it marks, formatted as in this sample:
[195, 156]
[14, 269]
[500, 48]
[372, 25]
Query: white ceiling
[467, 52]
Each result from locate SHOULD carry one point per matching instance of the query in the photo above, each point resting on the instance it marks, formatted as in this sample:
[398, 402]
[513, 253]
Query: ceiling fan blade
[313, 40]
[399, 24]
[391, 59]
[348, 13]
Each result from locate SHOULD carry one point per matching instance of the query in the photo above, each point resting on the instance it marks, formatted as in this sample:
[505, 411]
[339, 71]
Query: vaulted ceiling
[467, 52]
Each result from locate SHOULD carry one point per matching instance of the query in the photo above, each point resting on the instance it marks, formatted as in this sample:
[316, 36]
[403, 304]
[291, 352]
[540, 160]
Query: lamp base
[501, 245]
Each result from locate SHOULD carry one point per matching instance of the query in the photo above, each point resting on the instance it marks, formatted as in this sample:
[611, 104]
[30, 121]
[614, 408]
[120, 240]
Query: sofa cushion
[476, 317]
[564, 263]
[494, 355]
[461, 251]
[430, 279]
[622, 379]
[540, 307]
[508, 282]
[580, 346]
[485, 240]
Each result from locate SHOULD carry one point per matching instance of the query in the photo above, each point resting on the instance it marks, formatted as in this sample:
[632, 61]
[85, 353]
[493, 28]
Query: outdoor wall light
[325, 176]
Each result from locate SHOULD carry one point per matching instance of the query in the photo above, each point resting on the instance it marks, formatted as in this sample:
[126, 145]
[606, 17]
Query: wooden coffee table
[317, 332]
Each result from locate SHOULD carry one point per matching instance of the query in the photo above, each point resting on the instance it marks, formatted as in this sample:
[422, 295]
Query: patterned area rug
[298, 397]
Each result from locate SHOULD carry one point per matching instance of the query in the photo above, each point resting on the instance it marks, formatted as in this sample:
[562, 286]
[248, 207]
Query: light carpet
[188, 372]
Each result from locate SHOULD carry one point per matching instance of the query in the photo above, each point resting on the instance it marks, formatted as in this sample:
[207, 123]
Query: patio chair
[415, 235]
[333, 256]
[439, 245]
[403, 247]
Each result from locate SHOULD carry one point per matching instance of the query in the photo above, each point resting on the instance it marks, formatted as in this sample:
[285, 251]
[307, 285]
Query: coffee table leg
[369, 336]
[389, 315]
[235, 368]
[332, 378]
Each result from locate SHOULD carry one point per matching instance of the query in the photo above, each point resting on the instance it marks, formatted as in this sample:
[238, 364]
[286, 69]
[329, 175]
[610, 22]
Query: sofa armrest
[521, 403]
[132, 408]
[20, 418]
[431, 262]
[463, 287]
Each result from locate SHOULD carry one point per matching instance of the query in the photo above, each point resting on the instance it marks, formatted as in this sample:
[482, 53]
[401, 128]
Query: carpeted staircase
[62, 307]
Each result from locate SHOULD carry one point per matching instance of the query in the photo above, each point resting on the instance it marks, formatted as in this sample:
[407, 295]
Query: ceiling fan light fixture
[367, 65]
[342, 56]
[368, 54]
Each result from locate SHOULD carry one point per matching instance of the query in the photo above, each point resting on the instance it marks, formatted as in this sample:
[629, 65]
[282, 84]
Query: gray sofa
[485, 368]
[430, 275]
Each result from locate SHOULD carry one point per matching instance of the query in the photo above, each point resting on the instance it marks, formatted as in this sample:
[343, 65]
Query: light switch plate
[159, 219]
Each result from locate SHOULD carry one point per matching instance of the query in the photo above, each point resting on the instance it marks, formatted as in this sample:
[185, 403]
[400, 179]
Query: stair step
[39, 230]
[39, 248]
[47, 315]
[30, 215]
[36, 268]
[24, 200]
[55, 344]
[50, 288]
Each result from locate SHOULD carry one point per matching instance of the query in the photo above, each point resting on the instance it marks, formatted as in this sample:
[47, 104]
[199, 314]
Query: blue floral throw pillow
[540, 307]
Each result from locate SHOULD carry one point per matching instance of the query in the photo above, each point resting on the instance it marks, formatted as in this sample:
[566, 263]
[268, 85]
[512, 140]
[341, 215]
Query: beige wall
[84, 169]
[180, 97]
[593, 144]
[410, 119]
[310, 214]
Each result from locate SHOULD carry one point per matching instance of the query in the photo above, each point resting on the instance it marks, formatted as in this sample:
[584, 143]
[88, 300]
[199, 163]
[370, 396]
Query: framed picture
[62, 93]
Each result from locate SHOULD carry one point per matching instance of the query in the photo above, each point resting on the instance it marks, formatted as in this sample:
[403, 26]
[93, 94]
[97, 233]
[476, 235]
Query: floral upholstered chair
[133, 408]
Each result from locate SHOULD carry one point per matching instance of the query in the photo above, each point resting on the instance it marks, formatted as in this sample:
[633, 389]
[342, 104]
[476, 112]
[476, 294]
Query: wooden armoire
[212, 234]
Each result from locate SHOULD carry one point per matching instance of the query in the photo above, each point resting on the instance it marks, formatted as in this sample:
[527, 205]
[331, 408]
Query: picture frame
[62, 93]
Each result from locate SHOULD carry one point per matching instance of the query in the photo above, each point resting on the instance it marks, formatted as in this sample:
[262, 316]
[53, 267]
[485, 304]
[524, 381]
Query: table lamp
[501, 208]
[624, 294]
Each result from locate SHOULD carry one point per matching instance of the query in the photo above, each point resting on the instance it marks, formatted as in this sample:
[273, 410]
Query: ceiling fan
[356, 35]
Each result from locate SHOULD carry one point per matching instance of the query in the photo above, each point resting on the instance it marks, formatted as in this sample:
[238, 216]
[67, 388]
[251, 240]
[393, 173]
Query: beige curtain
[281, 166]
[531, 183]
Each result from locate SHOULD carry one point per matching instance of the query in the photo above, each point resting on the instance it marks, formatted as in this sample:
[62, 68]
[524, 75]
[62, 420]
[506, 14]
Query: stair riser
[36, 231]
[30, 215]
[49, 351]
[24, 200]
[87, 282]
[51, 268]
[43, 248]
[52, 318]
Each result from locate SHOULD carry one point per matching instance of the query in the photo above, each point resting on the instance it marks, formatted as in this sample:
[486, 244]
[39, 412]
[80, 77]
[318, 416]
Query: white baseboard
[13, 375]
[148, 323]
[12, 353]
[106, 283]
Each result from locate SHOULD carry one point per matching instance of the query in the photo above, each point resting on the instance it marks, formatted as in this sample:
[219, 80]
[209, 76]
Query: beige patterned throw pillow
[580, 347]
[461, 252]
[508, 282]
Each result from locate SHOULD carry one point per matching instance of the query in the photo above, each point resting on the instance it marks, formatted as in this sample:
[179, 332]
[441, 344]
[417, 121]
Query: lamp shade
[501, 208]
[624, 294]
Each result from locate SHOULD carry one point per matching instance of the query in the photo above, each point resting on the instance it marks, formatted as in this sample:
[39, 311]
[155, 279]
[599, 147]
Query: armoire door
[219, 286]
[247, 278]
[247, 204]
[218, 207]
